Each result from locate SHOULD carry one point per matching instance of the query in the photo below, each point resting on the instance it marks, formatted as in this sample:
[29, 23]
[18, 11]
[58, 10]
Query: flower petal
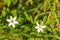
[43, 26]
[15, 22]
[37, 24]
[37, 27]
[13, 25]
[14, 18]
[11, 17]
[8, 20]
[10, 24]
[41, 30]
[38, 30]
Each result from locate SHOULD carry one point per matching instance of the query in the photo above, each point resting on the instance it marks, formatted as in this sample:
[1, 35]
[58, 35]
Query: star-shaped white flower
[12, 21]
[39, 27]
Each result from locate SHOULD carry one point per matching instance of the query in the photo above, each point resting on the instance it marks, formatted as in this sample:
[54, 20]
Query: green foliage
[28, 12]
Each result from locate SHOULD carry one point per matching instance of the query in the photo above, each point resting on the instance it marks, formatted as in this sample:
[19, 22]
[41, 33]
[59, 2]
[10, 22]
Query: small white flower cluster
[12, 21]
[39, 27]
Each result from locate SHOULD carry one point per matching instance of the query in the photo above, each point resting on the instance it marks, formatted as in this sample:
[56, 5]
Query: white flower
[12, 21]
[39, 27]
